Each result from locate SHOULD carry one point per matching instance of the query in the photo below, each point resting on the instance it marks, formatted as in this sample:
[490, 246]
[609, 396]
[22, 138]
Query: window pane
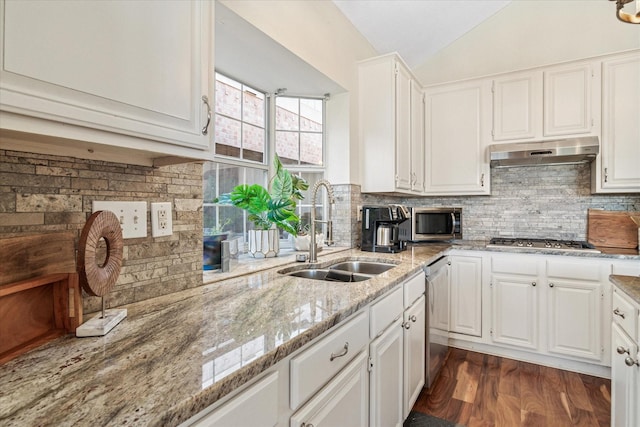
[287, 146]
[311, 115]
[228, 95]
[253, 138]
[253, 107]
[311, 148]
[227, 136]
[287, 117]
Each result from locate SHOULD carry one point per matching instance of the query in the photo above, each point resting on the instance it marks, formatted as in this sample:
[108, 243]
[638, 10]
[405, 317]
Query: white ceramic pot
[264, 243]
[301, 243]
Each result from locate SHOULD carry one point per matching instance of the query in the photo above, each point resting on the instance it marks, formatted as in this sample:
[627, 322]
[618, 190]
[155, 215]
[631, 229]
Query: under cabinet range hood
[553, 152]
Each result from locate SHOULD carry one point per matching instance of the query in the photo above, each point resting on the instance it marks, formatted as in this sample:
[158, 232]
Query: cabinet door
[466, 303]
[133, 68]
[457, 126]
[617, 170]
[624, 380]
[574, 318]
[517, 106]
[403, 128]
[344, 401]
[417, 137]
[568, 99]
[514, 311]
[414, 353]
[386, 379]
[438, 299]
[256, 406]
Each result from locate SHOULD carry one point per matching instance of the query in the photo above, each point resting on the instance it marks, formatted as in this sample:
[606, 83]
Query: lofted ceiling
[416, 29]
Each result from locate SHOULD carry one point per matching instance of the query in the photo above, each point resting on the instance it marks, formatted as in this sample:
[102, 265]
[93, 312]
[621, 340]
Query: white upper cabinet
[457, 126]
[559, 101]
[417, 138]
[617, 168]
[134, 75]
[390, 128]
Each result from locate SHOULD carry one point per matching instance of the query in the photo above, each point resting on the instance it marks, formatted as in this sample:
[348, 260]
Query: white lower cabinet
[255, 406]
[344, 401]
[386, 379]
[515, 310]
[466, 295]
[414, 352]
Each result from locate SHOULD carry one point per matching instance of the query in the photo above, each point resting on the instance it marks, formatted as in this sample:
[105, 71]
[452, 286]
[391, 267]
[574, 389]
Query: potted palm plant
[269, 209]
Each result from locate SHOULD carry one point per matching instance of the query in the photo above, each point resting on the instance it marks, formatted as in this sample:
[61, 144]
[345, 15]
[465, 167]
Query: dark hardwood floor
[476, 389]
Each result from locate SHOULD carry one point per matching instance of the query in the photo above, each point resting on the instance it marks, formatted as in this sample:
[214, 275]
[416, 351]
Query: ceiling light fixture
[627, 17]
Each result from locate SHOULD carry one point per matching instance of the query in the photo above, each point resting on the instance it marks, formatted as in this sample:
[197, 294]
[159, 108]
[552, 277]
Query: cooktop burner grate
[543, 244]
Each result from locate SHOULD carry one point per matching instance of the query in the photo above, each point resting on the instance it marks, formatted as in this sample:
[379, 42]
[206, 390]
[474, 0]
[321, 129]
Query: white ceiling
[416, 29]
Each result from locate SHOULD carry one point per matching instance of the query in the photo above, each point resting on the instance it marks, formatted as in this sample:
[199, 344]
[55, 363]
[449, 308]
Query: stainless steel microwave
[432, 224]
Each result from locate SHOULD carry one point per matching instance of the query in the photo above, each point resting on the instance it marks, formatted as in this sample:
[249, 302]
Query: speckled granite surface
[177, 354]
[630, 285]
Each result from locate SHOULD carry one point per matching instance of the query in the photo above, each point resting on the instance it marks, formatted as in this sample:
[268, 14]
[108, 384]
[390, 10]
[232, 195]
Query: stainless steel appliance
[563, 151]
[432, 224]
[542, 244]
[437, 342]
[380, 228]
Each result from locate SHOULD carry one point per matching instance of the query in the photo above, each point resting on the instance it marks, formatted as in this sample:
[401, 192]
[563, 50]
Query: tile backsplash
[535, 202]
[46, 193]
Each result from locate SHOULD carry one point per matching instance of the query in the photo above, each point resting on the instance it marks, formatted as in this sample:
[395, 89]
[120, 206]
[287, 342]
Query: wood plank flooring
[476, 389]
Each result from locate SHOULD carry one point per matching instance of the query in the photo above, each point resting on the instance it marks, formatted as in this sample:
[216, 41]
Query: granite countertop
[630, 285]
[177, 354]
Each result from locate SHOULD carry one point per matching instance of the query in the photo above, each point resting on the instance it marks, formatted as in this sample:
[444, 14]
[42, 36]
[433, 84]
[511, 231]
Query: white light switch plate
[132, 216]
[161, 219]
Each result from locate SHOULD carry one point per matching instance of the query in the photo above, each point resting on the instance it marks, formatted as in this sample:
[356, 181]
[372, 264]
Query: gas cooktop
[542, 244]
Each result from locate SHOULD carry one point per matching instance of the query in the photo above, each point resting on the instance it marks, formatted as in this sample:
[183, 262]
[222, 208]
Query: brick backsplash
[46, 193]
[535, 202]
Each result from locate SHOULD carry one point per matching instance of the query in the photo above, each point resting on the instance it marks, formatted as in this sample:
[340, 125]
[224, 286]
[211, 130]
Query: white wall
[531, 33]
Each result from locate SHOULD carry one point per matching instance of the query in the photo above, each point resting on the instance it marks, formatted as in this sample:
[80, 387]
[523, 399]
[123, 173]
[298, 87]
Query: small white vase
[264, 243]
[301, 243]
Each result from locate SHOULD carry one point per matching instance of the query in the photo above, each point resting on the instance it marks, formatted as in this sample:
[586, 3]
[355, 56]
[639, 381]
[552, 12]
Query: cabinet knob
[413, 318]
[606, 174]
[406, 325]
[622, 350]
[617, 312]
[306, 425]
[630, 362]
[551, 285]
[533, 284]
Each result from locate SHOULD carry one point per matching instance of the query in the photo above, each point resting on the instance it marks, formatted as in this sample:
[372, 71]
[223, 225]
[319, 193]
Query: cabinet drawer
[319, 363]
[514, 265]
[576, 270]
[413, 289]
[385, 311]
[624, 313]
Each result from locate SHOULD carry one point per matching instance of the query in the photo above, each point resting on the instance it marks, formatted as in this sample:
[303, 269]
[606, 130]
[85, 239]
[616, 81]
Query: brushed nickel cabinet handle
[630, 362]
[622, 350]
[551, 285]
[205, 129]
[606, 174]
[413, 318]
[533, 284]
[617, 312]
[344, 351]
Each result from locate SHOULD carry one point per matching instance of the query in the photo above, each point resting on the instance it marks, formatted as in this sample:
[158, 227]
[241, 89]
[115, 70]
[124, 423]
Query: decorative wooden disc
[98, 280]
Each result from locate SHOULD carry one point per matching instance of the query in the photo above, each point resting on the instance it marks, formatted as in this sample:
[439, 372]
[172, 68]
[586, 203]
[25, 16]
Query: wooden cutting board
[612, 229]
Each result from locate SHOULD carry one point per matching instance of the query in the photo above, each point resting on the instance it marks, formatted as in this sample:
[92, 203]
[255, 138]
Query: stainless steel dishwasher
[437, 342]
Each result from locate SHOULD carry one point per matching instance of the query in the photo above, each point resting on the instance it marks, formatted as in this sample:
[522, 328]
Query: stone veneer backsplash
[534, 202]
[47, 193]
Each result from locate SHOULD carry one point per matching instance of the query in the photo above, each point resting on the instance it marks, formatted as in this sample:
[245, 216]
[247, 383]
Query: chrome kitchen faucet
[313, 250]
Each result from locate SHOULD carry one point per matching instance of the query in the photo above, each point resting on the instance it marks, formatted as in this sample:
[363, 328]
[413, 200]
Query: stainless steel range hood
[554, 152]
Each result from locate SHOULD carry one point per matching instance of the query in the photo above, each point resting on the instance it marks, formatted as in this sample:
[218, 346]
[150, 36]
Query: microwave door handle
[453, 224]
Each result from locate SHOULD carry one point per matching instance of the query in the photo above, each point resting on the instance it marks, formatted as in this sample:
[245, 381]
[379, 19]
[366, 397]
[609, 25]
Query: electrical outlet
[161, 222]
[132, 216]
[359, 213]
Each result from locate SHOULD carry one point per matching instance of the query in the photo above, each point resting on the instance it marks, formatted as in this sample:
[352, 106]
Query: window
[241, 139]
[240, 113]
[299, 130]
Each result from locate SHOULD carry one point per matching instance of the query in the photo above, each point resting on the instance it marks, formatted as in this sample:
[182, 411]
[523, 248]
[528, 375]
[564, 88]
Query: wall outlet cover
[161, 219]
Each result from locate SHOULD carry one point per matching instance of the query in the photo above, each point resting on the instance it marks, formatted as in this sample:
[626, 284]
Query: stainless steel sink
[363, 267]
[343, 271]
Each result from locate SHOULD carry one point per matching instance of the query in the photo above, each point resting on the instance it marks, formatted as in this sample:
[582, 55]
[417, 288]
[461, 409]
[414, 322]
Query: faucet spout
[313, 250]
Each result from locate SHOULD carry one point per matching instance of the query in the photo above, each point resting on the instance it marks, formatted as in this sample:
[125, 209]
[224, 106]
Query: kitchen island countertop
[628, 284]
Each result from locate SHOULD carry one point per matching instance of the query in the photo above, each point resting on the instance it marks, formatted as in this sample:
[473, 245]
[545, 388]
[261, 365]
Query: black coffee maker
[380, 231]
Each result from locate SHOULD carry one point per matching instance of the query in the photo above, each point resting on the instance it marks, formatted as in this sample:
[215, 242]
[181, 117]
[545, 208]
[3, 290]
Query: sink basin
[343, 271]
[329, 275]
[363, 267]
